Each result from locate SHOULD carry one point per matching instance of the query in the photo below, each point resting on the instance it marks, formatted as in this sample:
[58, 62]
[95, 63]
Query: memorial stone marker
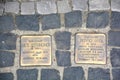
[35, 50]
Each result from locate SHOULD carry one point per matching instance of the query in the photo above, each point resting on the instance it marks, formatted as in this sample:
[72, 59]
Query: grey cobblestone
[116, 74]
[6, 24]
[6, 59]
[63, 6]
[63, 58]
[11, 0]
[46, 7]
[98, 74]
[28, 22]
[50, 74]
[73, 73]
[27, 8]
[115, 57]
[51, 21]
[27, 0]
[63, 40]
[12, 7]
[2, 6]
[97, 19]
[115, 18]
[1, 1]
[114, 38]
[27, 74]
[115, 5]
[8, 41]
[6, 76]
[73, 19]
[80, 5]
[8, 0]
[99, 4]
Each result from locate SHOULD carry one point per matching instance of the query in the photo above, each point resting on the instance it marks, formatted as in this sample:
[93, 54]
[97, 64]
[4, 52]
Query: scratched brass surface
[90, 48]
[35, 50]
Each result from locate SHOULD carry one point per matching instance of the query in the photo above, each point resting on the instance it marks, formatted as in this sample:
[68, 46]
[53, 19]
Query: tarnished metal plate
[35, 50]
[90, 48]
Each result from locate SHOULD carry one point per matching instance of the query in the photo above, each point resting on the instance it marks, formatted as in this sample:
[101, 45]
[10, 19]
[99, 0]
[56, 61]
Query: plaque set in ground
[90, 48]
[35, 50]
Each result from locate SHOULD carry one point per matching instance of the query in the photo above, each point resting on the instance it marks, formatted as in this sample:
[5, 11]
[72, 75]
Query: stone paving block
[63, 40]
[73, 73]
[50, 74]
[8, 41]
[116, 74]
[12, 7]
[115, 57]
[6, 76]
[6, 59]
[1, 1]
[28, 22]
[4, 1]
[63, 6]
[114, 38]
[115, 5]
[47, 0]
[99, 5]
[97, 19]
[6, 24]
[1, 8]
[46, 7]
[98, 74]
[80, 5]
[73, 19]
[115, 20]
[51, 21]
[27, 74]
[28, 0]
[27, 8]
[10, 0]
[63, 58]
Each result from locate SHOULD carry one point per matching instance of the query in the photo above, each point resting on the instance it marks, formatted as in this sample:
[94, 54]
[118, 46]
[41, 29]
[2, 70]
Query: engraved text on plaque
[90, 48]
[35, 50]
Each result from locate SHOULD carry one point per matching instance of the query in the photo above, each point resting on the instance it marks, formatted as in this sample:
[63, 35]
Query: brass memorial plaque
[90, 48]
[35, 50]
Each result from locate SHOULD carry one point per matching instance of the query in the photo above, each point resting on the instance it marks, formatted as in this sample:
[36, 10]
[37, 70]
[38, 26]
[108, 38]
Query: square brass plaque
[35, 50]
[90, 48]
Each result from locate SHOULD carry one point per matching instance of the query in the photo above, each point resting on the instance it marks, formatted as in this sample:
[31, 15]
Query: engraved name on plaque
[35, 50]
[90, 48]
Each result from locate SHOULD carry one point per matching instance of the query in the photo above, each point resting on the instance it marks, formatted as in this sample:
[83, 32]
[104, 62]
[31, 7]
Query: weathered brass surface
[90, 48]
[35, 50]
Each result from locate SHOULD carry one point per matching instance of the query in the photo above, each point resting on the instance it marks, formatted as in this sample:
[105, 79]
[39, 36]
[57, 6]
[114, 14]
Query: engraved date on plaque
[90, 48]
[35, 50]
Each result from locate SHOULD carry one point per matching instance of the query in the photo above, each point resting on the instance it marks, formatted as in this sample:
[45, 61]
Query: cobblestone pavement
[62, 19]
